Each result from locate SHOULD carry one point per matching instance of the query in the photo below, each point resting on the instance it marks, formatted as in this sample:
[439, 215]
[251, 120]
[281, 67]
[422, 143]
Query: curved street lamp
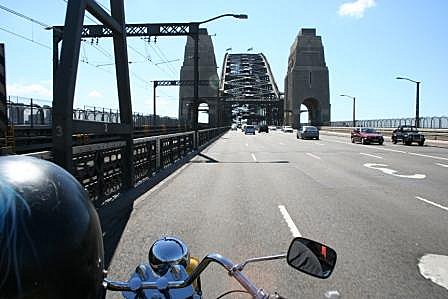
[417, 100]
[195, 37]
[354, 100]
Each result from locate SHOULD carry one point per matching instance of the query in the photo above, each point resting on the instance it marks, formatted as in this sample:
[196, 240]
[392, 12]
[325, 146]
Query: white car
[287, 129]
[272, 128]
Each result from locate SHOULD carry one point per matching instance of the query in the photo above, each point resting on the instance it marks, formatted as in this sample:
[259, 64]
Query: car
[249, 129]
[366, 135]
[287, 129]
[308, 132]
[407, 135]
[263, 128]
[233, 127]
[272, 128]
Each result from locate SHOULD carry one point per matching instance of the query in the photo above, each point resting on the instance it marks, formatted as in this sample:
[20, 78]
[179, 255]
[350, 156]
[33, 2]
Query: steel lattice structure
[247, 79]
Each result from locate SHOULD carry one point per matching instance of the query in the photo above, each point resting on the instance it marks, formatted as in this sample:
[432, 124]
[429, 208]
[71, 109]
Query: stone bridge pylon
[306, 81]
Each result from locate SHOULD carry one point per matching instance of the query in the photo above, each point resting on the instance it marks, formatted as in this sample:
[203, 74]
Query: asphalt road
[381, 219]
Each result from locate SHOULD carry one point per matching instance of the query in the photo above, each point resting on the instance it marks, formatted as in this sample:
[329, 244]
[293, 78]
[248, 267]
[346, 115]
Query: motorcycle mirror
[311, 257]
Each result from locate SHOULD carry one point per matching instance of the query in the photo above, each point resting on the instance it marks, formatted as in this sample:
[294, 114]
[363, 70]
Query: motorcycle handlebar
[214, 257]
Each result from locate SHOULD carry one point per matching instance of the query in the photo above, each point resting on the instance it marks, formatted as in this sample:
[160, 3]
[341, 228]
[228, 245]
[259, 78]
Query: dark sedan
[308, 132]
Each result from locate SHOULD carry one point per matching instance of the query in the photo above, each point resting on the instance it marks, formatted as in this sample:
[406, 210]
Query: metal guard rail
[99, 167]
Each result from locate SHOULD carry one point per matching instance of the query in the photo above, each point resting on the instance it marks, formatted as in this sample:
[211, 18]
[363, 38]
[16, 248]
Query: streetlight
[354, 101]
[195, 36]
[417, 100]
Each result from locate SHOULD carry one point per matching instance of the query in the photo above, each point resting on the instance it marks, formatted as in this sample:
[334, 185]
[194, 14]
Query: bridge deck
[226, 200]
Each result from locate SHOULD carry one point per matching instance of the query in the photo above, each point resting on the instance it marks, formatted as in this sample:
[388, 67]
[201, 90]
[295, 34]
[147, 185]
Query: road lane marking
[443, 165]
[428, 156]
[435, 268]
[384, 169]
[343, 142]
[314, 156]
[390, 150]
[292, 227]
[370, 155]
[247, 144]
[432, 203]
[318, 143]
[253, 157]
[281, 143]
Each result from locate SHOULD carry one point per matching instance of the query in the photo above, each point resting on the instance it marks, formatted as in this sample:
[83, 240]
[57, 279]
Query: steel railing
[100, 168]
[436, 122]
[35, 112]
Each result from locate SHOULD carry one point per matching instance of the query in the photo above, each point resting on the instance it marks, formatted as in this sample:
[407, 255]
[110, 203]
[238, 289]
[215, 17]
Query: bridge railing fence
[36, 112]
[100, 167]
[435, 122]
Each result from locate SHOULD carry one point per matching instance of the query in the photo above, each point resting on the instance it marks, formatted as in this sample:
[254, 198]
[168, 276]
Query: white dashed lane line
[292, 227]
[370, 155]
[429, 156]
[432, 203]
[313, 156]
[253, 157]
[443, 165]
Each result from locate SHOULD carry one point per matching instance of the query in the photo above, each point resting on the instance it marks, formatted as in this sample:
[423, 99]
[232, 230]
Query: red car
[366, 136]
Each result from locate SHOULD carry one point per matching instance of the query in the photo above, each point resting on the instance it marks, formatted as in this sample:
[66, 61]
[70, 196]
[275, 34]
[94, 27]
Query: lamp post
[354, 102]
[417, 100]
[196, 62]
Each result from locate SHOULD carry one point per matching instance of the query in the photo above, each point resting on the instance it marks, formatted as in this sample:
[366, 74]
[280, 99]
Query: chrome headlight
[167, 252]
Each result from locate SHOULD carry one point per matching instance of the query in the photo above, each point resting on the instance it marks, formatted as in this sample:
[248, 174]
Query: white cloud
[94, 94]
[355, 9]
[33, 90]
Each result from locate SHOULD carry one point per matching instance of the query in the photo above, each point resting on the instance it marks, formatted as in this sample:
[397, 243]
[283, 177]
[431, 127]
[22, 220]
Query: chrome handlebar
[232, 269]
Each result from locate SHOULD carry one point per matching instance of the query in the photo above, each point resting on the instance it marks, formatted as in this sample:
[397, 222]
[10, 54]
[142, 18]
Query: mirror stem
[240, 266]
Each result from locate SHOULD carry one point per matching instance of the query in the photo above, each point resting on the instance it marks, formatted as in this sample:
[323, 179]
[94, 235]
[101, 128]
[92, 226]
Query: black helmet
[50, 236]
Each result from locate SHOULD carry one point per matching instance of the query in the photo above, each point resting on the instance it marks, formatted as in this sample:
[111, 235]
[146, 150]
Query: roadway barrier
[433, 136]
[99, 167]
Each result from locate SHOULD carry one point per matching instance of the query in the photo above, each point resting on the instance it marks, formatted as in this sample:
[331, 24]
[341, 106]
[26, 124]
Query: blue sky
[367, 44]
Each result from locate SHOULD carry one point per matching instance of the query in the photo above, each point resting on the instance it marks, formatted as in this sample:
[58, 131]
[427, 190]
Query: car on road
[366, 135]
[272, 128]
[249, 129]
[308, 132]
[287, 129]
[233, 127]
[407, 135]
[263, 128]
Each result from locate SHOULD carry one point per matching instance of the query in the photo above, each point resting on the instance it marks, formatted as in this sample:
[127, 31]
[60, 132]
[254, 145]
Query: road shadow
[208, 159]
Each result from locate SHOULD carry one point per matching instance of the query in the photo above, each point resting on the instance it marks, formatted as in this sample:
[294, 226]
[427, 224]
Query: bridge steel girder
[247, 79]
[65, 70]
[142, 30]
[3, 106]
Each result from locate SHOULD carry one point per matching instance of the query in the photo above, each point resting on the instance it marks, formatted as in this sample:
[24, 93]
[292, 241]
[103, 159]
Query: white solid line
[253, 157]
[292, 227]
[432, 203]
[314, 156]
[370, 155]
[428, 156]
[443, 165]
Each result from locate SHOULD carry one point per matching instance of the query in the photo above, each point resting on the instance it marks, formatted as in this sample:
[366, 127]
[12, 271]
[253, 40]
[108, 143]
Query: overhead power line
[24, 16]
[26, 38]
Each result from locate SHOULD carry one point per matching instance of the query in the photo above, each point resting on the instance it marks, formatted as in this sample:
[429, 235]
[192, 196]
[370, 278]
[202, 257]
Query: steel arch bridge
[246, 79]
